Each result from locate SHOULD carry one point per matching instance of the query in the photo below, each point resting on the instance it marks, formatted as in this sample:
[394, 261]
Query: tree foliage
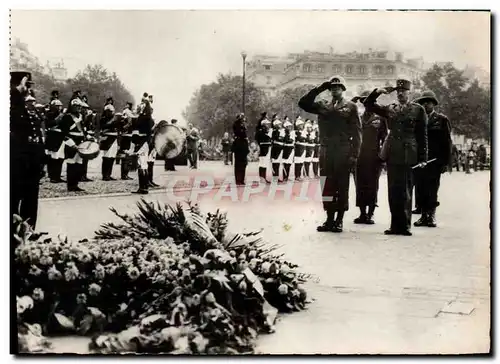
[464, 101]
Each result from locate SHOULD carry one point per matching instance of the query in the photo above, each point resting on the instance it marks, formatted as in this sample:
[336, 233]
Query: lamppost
[244, 56]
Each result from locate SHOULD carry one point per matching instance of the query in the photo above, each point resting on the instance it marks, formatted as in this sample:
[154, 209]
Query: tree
[213, 107]
[285, 103]
[465, 102]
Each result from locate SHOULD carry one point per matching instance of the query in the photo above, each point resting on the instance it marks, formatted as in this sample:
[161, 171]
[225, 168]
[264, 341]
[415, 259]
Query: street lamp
[244, 56]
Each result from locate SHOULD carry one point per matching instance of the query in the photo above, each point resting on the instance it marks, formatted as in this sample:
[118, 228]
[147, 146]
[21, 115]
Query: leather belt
[75, 133]
[278, 143]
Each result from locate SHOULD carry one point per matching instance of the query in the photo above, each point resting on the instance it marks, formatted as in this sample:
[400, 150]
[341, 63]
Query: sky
[172, 53]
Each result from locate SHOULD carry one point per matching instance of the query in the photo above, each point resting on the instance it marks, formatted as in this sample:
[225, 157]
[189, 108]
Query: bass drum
[169, 140]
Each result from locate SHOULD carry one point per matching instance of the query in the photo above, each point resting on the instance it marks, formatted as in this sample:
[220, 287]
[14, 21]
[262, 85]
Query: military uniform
[406, 146]
[88, 127]
[26, 154]
[288, 149]
[240, 149]
[140, 139]
[277, 136]
[439, 147]
[109, 140]
[369, 164]
[316, 148]
[300, 147]
[340, 139]
[54, 139]
[125, 145]
[263, 137]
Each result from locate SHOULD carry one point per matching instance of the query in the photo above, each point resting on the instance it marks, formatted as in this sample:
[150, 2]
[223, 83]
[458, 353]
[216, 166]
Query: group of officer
[50, 134]
[409, 136]
[282, 144]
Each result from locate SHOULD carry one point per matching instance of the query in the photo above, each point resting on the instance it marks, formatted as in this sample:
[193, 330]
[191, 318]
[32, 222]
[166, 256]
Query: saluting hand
[325, 85]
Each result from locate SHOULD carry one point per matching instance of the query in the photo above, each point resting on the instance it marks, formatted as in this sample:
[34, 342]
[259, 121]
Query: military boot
[329, 224]
[422, 221]
[431, 218]
[369, 216]
[338, 225]
[362, 216]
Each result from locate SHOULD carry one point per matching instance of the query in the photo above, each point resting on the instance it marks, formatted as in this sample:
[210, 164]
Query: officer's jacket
[339, 125]
[407, 140]
[374, 134]
[289, 139]
[240, 143]
[439, 138]
[278, 136]
[300, 141]
[264, 139]
[72, 131]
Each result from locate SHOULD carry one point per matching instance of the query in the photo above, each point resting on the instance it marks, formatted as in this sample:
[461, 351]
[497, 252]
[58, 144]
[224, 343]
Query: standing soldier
[439, 147]
[315, 156]
[277, 136]
[300, 147]
[26, 151]
[73, 133]
[288, 147]
[140, 138]
[263, 136]
[152, 150]
[369, 164]
[309, 148]
[340, 139]
[226, 147]
[125, 151]
[109, 139]
[88, 126]
[240, 149]
[55, 141]
[192, 141]
[406, 147]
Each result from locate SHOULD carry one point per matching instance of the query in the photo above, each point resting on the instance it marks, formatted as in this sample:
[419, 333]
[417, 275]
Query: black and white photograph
[250, 182]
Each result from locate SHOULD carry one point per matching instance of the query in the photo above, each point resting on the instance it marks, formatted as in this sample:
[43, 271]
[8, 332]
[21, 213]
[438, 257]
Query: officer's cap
[17, 76]
[299, 121]
[403, 84]
[338, 80]
[427, 95]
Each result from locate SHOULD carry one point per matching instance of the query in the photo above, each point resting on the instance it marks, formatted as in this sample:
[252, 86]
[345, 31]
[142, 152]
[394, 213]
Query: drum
[168, 140]
[88, 150]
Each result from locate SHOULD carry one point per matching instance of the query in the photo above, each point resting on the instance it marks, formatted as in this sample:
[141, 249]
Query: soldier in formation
[288, 148]
[278, 136]
[340, 139]
[406, 147]
[300, 147]
[369, 164]
[440, 149]
[109, 139]
[263, 136]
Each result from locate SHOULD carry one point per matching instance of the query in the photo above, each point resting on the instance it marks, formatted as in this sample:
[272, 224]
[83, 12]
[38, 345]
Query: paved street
[376, 294]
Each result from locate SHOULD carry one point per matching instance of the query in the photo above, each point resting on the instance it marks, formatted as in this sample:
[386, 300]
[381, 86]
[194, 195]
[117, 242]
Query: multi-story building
[361, 70]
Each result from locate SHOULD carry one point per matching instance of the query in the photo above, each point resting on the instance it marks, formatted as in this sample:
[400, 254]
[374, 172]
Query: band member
[439, 147]
[278, 135]
[26, 151]
[309, 148]
[88, 126]
[300, 147]
[406, 146]
[288, 147]
[226, 147]
[109, 139]
[55, 141]
[369, 166]
[240, 149]
[73, 134]
[315, 156]
[340, 138]
[263, 137]
[140, 138]
[152, 151]
[126, 128]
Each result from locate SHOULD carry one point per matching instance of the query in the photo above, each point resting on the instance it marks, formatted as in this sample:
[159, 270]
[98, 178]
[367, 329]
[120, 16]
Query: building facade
[361, 70]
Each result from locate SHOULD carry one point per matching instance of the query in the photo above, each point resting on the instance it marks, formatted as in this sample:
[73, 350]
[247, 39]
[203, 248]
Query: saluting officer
[278, 135]
[263, 137]
[406, 146]
[340, 138]
[300, 147]
[109, 139]
[439, 147]
[288, 147]
[369, 164]
[26, 151]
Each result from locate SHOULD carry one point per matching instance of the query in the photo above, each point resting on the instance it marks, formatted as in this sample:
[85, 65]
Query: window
[390, 70]
[320, 68]
[348, 69]
[307, 67]
[378, 70]
[362, 70]
[267, 67]
[336, 68]
[268, 80]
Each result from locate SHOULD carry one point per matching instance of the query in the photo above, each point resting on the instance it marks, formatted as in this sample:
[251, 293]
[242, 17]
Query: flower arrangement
[168, 279]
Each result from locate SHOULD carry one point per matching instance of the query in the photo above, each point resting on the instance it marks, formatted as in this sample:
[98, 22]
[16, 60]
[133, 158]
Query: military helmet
[338, 80]
[427, 95]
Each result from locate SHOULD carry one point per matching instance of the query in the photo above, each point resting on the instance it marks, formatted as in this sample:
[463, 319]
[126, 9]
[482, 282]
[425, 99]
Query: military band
[109, 139]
